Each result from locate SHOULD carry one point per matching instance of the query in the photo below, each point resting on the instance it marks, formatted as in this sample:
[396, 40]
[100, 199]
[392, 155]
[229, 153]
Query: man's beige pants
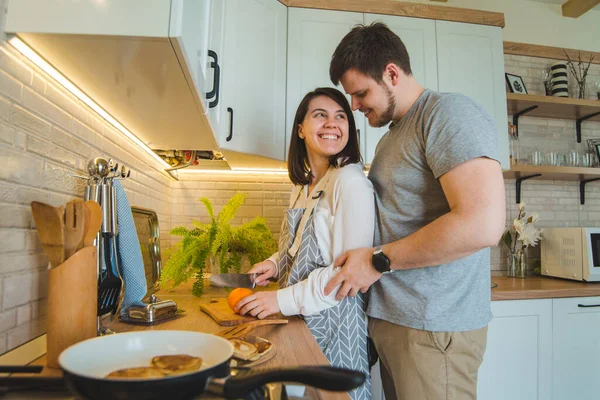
[426, 365]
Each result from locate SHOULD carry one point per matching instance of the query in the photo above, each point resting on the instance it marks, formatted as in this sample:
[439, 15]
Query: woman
[331, 210]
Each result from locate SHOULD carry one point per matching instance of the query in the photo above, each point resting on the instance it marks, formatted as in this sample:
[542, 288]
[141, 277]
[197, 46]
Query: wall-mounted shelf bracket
[517, 115]
[518, 185]
[582, 189]
[578, 125]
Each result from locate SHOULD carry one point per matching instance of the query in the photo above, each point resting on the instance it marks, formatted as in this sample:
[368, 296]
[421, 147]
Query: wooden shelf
[545, 172]
[551, 173]
[553, 107]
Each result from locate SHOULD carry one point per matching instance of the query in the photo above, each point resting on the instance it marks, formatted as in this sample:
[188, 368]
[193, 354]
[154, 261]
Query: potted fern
[218, 245]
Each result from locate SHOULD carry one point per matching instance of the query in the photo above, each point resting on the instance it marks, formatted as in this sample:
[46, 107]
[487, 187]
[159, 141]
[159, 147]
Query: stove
[272, 391]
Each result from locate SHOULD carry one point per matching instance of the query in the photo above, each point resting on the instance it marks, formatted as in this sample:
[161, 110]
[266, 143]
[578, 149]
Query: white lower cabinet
[576, 349]
[517, 362]
[376, 385]
[545, 349]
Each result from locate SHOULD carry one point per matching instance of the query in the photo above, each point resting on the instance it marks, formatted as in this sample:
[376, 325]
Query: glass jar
[521, 264]
[513, 143]
[511, 265]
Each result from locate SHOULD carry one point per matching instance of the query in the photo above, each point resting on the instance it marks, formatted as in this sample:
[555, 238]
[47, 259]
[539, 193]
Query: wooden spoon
[93, 221]
[73, 228]
[244, 329]
[49, 225]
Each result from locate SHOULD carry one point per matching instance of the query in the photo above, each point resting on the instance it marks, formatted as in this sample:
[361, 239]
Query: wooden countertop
[293, 343]
[541, 287]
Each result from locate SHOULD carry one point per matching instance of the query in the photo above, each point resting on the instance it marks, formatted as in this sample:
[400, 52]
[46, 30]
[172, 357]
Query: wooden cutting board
[219, 310]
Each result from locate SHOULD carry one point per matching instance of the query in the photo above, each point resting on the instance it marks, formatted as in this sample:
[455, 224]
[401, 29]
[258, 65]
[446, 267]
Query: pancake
[177, 363]
[263, 347]
[137, 373]
[243, 350]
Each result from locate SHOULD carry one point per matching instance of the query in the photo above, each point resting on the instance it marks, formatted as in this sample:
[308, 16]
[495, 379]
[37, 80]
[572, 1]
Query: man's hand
[259, 304]
[357, 273]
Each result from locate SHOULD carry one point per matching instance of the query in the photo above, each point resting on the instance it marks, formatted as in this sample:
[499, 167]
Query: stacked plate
[559, 80]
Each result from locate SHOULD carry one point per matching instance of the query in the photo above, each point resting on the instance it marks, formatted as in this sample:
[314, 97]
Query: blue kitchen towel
[130, 254]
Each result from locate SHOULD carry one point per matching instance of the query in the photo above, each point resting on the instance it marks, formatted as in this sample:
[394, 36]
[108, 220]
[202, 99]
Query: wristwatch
[380, 261]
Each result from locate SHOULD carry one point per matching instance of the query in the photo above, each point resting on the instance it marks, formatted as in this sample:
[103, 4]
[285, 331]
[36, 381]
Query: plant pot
[214, 268]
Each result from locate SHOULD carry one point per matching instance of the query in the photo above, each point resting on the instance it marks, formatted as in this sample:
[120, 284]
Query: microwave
[571, 253]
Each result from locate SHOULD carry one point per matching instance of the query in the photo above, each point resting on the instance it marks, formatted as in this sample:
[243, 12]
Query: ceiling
[560, 2]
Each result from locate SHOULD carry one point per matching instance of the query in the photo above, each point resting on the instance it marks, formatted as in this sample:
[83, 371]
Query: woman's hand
[259, 304]
[264, 270]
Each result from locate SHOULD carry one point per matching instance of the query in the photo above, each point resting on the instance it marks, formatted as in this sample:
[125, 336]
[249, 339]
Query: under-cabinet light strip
[240, 171]
[58, 77]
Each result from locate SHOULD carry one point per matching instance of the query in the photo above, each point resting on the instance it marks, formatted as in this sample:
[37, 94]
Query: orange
[236, 295]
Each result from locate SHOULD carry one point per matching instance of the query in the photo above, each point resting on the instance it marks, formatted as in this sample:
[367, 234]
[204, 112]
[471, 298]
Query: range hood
[131, 67]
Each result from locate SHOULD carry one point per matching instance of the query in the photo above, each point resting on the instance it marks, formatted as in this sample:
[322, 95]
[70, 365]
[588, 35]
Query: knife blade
[234, 280]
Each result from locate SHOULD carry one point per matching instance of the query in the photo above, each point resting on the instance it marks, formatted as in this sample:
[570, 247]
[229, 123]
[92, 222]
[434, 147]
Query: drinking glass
[573, 159]
[536, 158]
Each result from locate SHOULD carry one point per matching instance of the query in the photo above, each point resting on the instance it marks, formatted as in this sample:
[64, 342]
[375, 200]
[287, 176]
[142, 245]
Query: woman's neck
[318, 169]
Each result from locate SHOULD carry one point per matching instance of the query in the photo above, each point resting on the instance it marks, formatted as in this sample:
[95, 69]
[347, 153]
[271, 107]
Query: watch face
[381, 262]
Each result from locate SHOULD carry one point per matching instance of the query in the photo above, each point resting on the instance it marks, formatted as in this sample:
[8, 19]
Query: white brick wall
[45, 132]
[268, 196]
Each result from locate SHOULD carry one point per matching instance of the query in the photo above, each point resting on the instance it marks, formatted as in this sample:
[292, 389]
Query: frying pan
[87, 363]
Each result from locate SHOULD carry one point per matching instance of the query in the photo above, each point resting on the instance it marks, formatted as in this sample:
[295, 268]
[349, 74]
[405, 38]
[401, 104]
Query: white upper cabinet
[253, 74]
[121, 54]
[189, 32]
[418, 35]
[313, 36]
[471, 62]
[576, 356]
[517, 361]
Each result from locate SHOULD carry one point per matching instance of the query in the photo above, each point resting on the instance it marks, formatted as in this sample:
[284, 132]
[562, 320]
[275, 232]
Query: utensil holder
[72, 303]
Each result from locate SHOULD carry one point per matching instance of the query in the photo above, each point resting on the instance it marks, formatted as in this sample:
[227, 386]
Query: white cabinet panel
[313, 36]
[189, 34]
[253, 74]
[418, 35]
[471, 62]
[214, 78]
[517, 361]
[576, 350]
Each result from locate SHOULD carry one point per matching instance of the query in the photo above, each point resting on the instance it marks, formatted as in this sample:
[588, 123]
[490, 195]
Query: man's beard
[388, 115]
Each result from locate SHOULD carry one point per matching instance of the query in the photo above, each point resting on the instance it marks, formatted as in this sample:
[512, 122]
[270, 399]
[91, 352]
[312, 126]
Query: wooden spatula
[244, 329]
[49, 225]
[73, 229]
[92, 213]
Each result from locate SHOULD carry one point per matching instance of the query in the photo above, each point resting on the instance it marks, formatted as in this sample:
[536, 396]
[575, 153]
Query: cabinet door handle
[358, 133]
[588, 305]
[230, 111]
[216, 79]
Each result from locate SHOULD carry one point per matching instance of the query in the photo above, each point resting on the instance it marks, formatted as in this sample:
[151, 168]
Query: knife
[234, 280]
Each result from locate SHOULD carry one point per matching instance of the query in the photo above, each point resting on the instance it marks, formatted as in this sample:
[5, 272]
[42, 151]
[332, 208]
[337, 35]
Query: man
[440, 200]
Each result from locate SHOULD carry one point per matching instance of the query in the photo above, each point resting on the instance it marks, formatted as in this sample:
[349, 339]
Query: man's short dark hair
[368, 49]
[298, 168]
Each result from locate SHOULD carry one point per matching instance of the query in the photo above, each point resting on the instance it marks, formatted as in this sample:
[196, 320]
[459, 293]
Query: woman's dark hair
[368, 49]
[298, 167]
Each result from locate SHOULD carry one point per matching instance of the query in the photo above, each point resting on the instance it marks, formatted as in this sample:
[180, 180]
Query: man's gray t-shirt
[439, 132]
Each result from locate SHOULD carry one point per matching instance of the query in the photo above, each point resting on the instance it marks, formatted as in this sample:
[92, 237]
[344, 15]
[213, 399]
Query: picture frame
[515, 84]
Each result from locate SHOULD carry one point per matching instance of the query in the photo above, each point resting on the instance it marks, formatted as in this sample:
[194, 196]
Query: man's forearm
[453, 236]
